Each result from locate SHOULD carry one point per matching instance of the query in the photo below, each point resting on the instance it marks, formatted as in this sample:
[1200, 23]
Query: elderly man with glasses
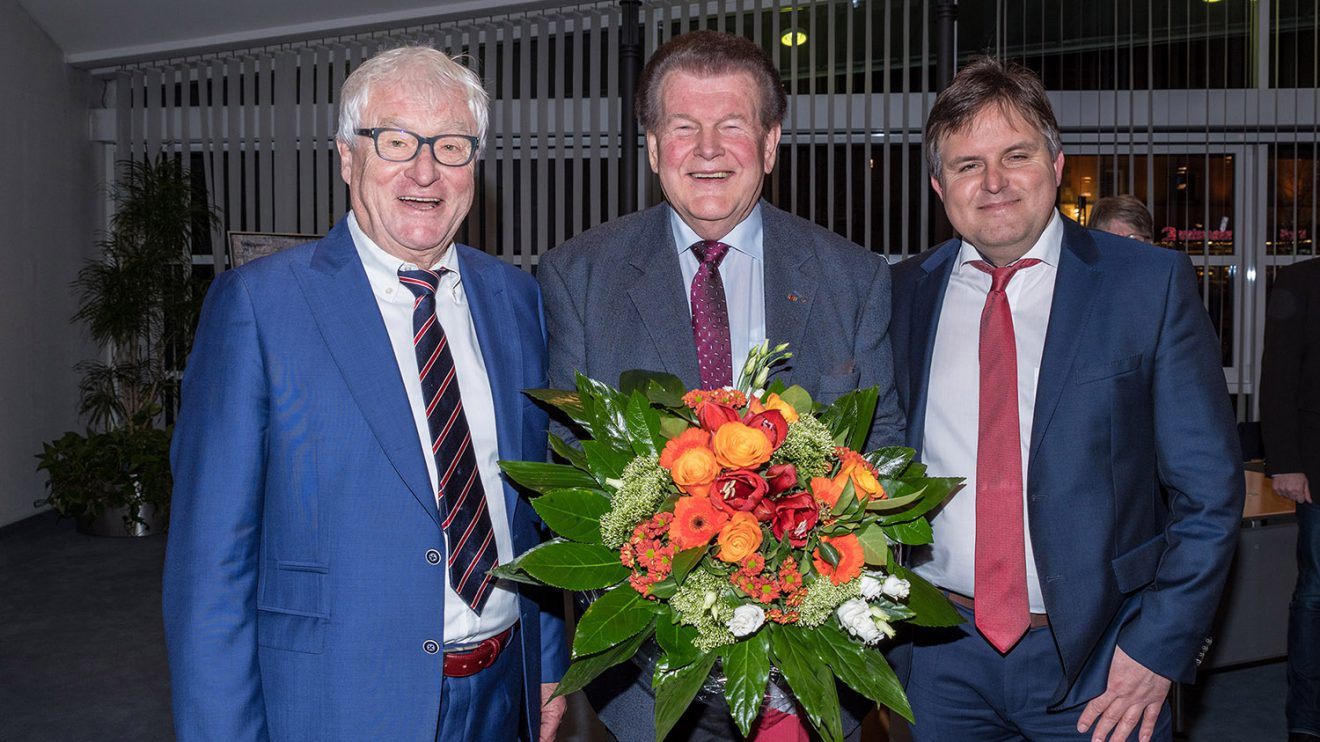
[337, 503]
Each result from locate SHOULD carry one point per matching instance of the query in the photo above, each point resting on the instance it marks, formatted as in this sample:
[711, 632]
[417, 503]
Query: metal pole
[946, 49]
[630, 68]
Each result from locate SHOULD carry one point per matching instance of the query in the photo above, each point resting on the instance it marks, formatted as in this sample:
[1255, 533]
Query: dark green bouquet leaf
[675, 689]
[540, 476]
[797, 654]
[929, 603]
[571, 566]
[613, 617]
[573, 513]
[568, 453]
[864, 669]
[849, 417]
[912, 533]
[676, 639]
[747, 670]
[567, 402]
[585, 669]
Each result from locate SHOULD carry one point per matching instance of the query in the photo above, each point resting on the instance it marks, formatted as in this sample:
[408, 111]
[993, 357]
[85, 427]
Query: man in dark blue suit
[1067, 374]
[337, 500]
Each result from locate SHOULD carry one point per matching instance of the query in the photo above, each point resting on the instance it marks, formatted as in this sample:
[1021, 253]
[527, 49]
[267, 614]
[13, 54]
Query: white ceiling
[96, 33]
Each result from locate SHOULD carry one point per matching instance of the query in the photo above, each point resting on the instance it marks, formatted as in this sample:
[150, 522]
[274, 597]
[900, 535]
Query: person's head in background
[1125, 216]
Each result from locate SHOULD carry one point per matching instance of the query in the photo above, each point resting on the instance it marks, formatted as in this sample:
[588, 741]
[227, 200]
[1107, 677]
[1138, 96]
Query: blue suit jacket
[298, 590]
[1131, 394]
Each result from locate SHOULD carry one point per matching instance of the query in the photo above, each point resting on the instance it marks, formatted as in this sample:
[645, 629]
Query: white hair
[421, 67]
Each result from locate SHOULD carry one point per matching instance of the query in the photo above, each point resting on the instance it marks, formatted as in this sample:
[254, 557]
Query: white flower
[871, 587]
[896, 587]
[855, 615]
[746, 620]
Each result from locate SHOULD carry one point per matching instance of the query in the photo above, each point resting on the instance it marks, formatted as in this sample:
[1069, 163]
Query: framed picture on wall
[248, 246]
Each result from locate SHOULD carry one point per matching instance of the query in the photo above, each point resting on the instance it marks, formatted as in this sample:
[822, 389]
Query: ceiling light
[793, 37]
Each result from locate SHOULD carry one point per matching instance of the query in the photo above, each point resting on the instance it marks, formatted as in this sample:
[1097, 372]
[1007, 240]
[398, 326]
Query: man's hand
[1134, 695]
[552, 711]
[1294, 486]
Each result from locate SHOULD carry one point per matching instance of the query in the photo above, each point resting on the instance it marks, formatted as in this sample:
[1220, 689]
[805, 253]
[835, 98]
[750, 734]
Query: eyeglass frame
[375, 132]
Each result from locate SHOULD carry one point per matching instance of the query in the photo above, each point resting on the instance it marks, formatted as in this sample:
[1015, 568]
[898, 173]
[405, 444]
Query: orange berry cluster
[647, 554]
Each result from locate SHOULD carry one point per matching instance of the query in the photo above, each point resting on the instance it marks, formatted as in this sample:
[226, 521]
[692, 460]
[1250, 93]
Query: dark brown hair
[1123, 208]
[985, 82]
[708, 54]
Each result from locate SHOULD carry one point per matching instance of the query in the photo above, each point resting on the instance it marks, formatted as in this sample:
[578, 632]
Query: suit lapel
[924, 321]
[791, 275]
[660, 297]
[336, 288]
[1075, 290]
[501, 353]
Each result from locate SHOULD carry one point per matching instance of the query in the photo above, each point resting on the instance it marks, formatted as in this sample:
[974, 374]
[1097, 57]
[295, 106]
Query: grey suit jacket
[615, 301]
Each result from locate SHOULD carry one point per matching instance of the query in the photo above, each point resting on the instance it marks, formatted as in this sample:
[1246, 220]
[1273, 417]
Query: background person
[1125, 216]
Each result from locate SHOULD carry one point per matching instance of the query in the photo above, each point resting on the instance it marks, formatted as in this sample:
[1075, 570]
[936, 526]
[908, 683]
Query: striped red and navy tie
[462, 499]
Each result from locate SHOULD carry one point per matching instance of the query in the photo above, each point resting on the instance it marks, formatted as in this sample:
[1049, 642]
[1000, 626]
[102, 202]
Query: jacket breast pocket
[1137, 567]
[1108, 369]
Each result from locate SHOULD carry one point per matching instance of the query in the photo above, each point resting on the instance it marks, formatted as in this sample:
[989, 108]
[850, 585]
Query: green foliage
[796, 655]
[139, 301]
[675, 689]
[747, 670]
[573, 513]
[613, 617]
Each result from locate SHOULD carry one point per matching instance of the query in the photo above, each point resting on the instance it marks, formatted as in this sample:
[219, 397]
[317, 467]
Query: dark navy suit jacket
[1131, 395]
[300, 589]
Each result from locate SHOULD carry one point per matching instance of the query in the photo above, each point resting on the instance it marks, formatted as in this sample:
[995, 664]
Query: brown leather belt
[1038, 620]
[464, 662]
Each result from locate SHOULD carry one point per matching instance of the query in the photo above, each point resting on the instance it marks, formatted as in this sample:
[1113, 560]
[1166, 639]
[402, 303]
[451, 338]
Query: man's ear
[345, 161]
[939, 190]
[653, 151]
[771, 145]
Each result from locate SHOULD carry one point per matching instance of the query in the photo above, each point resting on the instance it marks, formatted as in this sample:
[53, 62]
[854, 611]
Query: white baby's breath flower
[746, 620]
[855, 615]
[896, 587]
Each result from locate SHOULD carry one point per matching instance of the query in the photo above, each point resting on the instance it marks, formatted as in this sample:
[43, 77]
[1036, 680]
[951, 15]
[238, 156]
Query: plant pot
[113, 522]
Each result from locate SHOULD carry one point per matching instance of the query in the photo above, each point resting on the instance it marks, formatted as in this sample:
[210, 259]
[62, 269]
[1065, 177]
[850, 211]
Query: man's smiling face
[710, 150]
[411, 210]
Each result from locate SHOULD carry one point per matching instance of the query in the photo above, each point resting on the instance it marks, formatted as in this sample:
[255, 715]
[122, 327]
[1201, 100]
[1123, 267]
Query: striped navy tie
[461, 497]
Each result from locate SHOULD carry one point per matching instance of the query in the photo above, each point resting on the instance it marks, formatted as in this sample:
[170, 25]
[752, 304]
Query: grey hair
[418, 66]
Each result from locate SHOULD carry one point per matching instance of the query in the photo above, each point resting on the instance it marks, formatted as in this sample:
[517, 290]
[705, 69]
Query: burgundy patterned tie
[710, 316]
[1003, 612]
[462, 499]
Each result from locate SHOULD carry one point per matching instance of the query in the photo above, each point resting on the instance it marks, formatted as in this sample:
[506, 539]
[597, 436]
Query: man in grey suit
[687, 287]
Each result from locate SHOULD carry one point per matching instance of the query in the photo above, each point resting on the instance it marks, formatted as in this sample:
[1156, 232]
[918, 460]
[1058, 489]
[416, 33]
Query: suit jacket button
[430, 647]
[432, 557]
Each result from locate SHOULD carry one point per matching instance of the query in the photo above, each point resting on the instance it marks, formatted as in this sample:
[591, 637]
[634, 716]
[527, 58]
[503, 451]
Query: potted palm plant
[139, 299]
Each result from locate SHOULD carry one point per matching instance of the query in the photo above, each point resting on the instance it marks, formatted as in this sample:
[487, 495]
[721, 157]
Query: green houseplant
[139, 299]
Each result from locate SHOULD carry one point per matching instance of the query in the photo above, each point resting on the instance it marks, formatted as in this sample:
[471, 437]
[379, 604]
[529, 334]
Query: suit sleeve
[875, 360]
[1198, 456]
[210, 579]
[1281, 374]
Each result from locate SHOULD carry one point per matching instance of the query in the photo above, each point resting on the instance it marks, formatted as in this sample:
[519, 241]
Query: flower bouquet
[738, 528]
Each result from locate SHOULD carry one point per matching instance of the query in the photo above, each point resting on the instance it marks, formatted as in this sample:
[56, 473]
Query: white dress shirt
[953, 400]
[743, 272]
[462, 625]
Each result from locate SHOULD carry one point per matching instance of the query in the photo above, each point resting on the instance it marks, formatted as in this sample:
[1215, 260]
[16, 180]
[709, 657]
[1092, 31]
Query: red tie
[1002, 611]
[710, 317]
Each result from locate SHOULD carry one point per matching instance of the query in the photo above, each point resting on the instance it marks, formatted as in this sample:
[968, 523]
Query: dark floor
[81, 655]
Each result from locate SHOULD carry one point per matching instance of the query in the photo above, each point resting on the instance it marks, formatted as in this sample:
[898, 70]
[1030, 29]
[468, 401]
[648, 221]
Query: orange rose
[826, 490]
[864, 483]
[696, 521]
[851, 558]
[694, 470]
[739, 538]
[739, 446]
[773, 402]
[690, 438]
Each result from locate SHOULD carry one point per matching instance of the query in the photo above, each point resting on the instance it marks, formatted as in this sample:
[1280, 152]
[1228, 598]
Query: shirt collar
[745, 237]
[383, 268]
[1047, 248]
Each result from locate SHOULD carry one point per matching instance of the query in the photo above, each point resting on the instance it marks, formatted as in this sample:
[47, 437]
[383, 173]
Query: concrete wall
[48, 196]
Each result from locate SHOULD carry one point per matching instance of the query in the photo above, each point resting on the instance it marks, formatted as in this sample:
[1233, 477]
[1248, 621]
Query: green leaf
[675, 689]
[913, 533]
[605, 460]
[849, 417]
[671, 426]
[891, 460]
[685, 560]
[664, 589]
[643, 426]
[875, 547]
[797, 654]
[828, 553]
[603, 407]
[573, 513]
[863, 668]
[513, 572]
[663, 389]
[615, 616]
[894, 499]
[747, 669]
[585, 669]
[571, 566]
[541, 477]
[935, 491]
[932, 608]
[676, 640]
[847, 498]
[567, 402]
[568, 453]
[798, 398]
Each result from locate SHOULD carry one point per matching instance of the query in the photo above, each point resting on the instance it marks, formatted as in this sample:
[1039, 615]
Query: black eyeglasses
[401, 145]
